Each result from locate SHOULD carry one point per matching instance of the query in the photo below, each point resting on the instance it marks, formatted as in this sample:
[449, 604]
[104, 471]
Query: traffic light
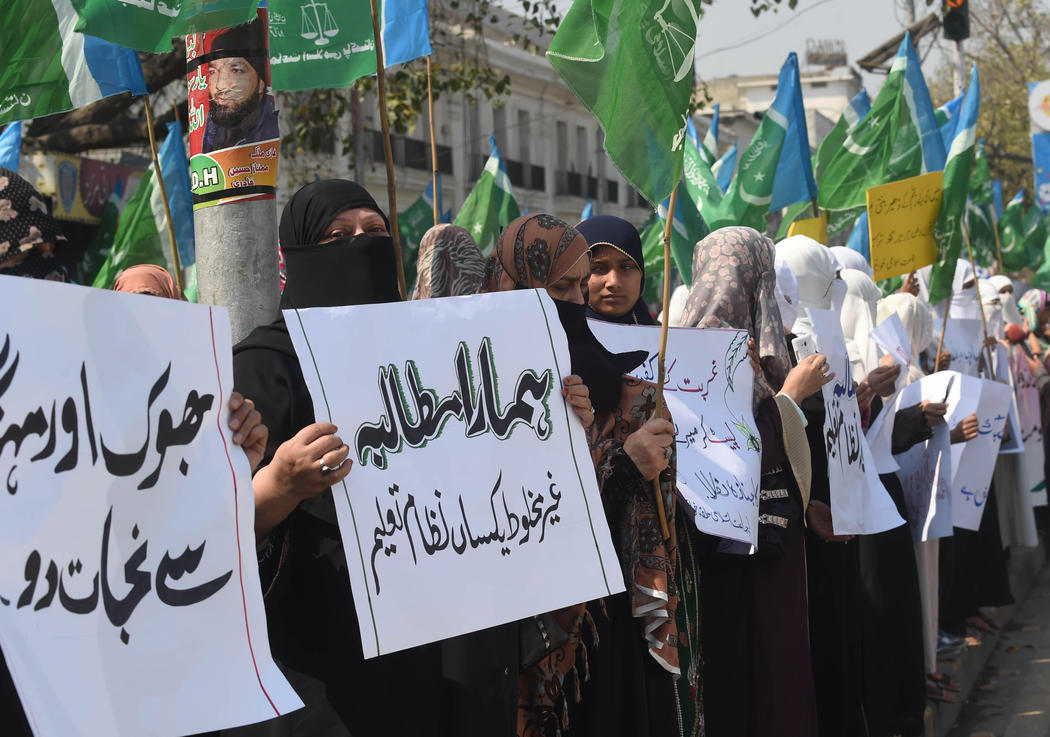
[956, 20]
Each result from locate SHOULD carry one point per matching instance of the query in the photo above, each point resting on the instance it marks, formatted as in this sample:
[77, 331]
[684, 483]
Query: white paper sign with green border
[473, 500]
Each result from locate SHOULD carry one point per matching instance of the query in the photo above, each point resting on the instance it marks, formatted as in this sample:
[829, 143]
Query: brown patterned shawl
[450, 264]
[532, 252]
[733, 287]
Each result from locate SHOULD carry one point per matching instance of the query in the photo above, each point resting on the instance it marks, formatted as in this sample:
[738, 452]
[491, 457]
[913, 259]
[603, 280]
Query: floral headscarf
[450, 264]
[1031, 304]
[26, 227]
[734, 284]
[534, 251]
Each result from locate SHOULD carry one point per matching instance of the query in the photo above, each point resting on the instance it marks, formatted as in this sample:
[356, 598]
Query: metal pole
[433, 145]
[164, 196]
[959, 68]
[384, 120]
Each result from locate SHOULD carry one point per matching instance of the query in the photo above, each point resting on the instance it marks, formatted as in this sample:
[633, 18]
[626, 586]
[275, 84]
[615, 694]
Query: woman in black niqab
[615, 244]
[338, 251]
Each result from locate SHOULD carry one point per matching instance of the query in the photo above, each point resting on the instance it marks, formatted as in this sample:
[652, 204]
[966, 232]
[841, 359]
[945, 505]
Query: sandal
[944, 681]
[936, 693]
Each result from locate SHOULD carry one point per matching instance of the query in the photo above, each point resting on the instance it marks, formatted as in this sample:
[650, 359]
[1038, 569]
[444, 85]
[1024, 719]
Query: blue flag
[794, 180]
[724, 168]
[588, 210]
[859, 239]
[997, 197]
[11, 146]
[406, 31]
[709, 148]
[175, 168]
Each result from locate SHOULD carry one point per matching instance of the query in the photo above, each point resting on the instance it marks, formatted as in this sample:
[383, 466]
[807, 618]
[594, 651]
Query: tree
[1009, 42]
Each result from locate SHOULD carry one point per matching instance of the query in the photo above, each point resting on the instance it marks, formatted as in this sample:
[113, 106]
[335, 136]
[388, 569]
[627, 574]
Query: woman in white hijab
[918, 327]
[858, 320]
[992, 304]
[786, 293]
[847, 258]
[816, 272]
[1005, 287]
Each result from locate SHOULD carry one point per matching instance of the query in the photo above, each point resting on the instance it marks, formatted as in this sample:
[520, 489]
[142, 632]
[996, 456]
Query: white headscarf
[786, 292]
[858, 320]
[964, 301]
[918, 326]
[676, 306]
[1010, 311]
[849, 259]
[993, 308]
[815, 270]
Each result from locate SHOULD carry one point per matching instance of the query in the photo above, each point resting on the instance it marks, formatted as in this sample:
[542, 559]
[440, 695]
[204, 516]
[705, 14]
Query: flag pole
[816, 210]
[940, 343]
[433, 145]
[661, 368]
[980, 302]
[384, 120]
[163, 196]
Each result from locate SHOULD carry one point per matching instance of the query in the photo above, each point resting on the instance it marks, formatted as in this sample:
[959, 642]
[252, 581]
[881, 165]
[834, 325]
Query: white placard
[892, 338]
[963, 340]
[860, 504]
[709, 392]
[926, 468]
[972, 474]
[129, 588]
[1031, 476]
[473, 499]
[1004, 374]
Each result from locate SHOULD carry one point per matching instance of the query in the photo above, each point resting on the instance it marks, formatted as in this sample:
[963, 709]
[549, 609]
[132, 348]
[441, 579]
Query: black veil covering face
[608, 230]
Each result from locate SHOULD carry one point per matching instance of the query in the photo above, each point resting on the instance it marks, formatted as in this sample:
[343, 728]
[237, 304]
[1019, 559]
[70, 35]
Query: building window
[524, 154]
[612, 190]
[538, 178]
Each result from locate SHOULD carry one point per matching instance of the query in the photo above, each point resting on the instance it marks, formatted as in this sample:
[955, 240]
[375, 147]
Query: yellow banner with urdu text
[901, 216]
[815, 228]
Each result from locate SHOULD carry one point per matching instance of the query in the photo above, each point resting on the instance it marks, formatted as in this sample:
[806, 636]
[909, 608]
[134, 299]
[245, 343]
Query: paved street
[1012, 697]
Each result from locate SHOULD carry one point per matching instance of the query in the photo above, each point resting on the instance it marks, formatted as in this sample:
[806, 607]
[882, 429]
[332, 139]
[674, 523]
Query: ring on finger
[325, 468]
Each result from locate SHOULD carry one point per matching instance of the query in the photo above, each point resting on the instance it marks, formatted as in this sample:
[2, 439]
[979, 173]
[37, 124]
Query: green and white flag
[980, 209]
[631, 64]
[1011, 234]
[47, 67]
[897, 139]
[948, 230]
[149, 26]
[652, 234]
[490, 206]
[142, 234]
[1033, 229]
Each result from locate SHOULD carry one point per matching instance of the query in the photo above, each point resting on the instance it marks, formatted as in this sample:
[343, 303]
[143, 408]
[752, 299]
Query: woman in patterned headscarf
[450, 264]
[758, 679]
[28, 233]
[630, 690]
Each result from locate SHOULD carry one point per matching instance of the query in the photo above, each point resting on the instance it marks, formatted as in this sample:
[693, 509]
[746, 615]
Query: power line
[760, 36]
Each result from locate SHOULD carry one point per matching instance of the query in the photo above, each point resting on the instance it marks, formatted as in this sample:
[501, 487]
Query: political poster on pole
[129, 588]
[234, 140]
[468, 464]
[708, 390]
[860, 504]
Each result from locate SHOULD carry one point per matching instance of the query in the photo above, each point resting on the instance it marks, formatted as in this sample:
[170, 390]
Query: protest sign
[1031, 476]
[234, 140]
[972, 466]
[473, 500]
[129, 588]
[925, 468]
[893, 339]
[860, 504]
[815, 228]
[708, 389]
[962, 340]
[901, 216]
[1011, 443]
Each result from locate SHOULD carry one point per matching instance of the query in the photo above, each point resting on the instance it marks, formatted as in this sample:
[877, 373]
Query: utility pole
[958, 68]
[236, 238]
[909, 8]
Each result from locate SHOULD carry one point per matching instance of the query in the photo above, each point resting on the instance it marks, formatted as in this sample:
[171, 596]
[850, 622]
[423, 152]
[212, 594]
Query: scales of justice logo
[318, 24]
[672, 32]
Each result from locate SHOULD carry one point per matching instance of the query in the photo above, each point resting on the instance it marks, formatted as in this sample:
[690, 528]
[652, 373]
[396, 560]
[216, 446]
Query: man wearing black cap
[240, 110]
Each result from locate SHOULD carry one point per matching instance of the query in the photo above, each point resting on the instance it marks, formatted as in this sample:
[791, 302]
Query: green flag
[631, 64]
[491, 205]
[1041, 280]
[98, 248]
[149, 26]
[653, 255]
[897, 139]
[141, 237]
[979, 210]
[190, 292]
[1011, 234]
[948, 230]
[1033, 233]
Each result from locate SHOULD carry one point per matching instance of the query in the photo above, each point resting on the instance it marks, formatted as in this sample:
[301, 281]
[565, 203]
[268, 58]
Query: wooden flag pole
[660, 362]
[940, 343]
[816, 211]
[980, 302]
[163, 196]
[384, 120]
[433, 145]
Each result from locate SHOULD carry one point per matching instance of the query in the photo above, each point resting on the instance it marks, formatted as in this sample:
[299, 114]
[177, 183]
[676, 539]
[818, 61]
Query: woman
[757, 675]
[631, 688]
[148, 279]
[617, 271]
[847, 258]
[28, 232]
[858, 320]
[1005, 286]
[449, 264]
[339, 252]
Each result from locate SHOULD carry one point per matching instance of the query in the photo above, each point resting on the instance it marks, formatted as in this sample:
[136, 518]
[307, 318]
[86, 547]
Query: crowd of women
[814, 634]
